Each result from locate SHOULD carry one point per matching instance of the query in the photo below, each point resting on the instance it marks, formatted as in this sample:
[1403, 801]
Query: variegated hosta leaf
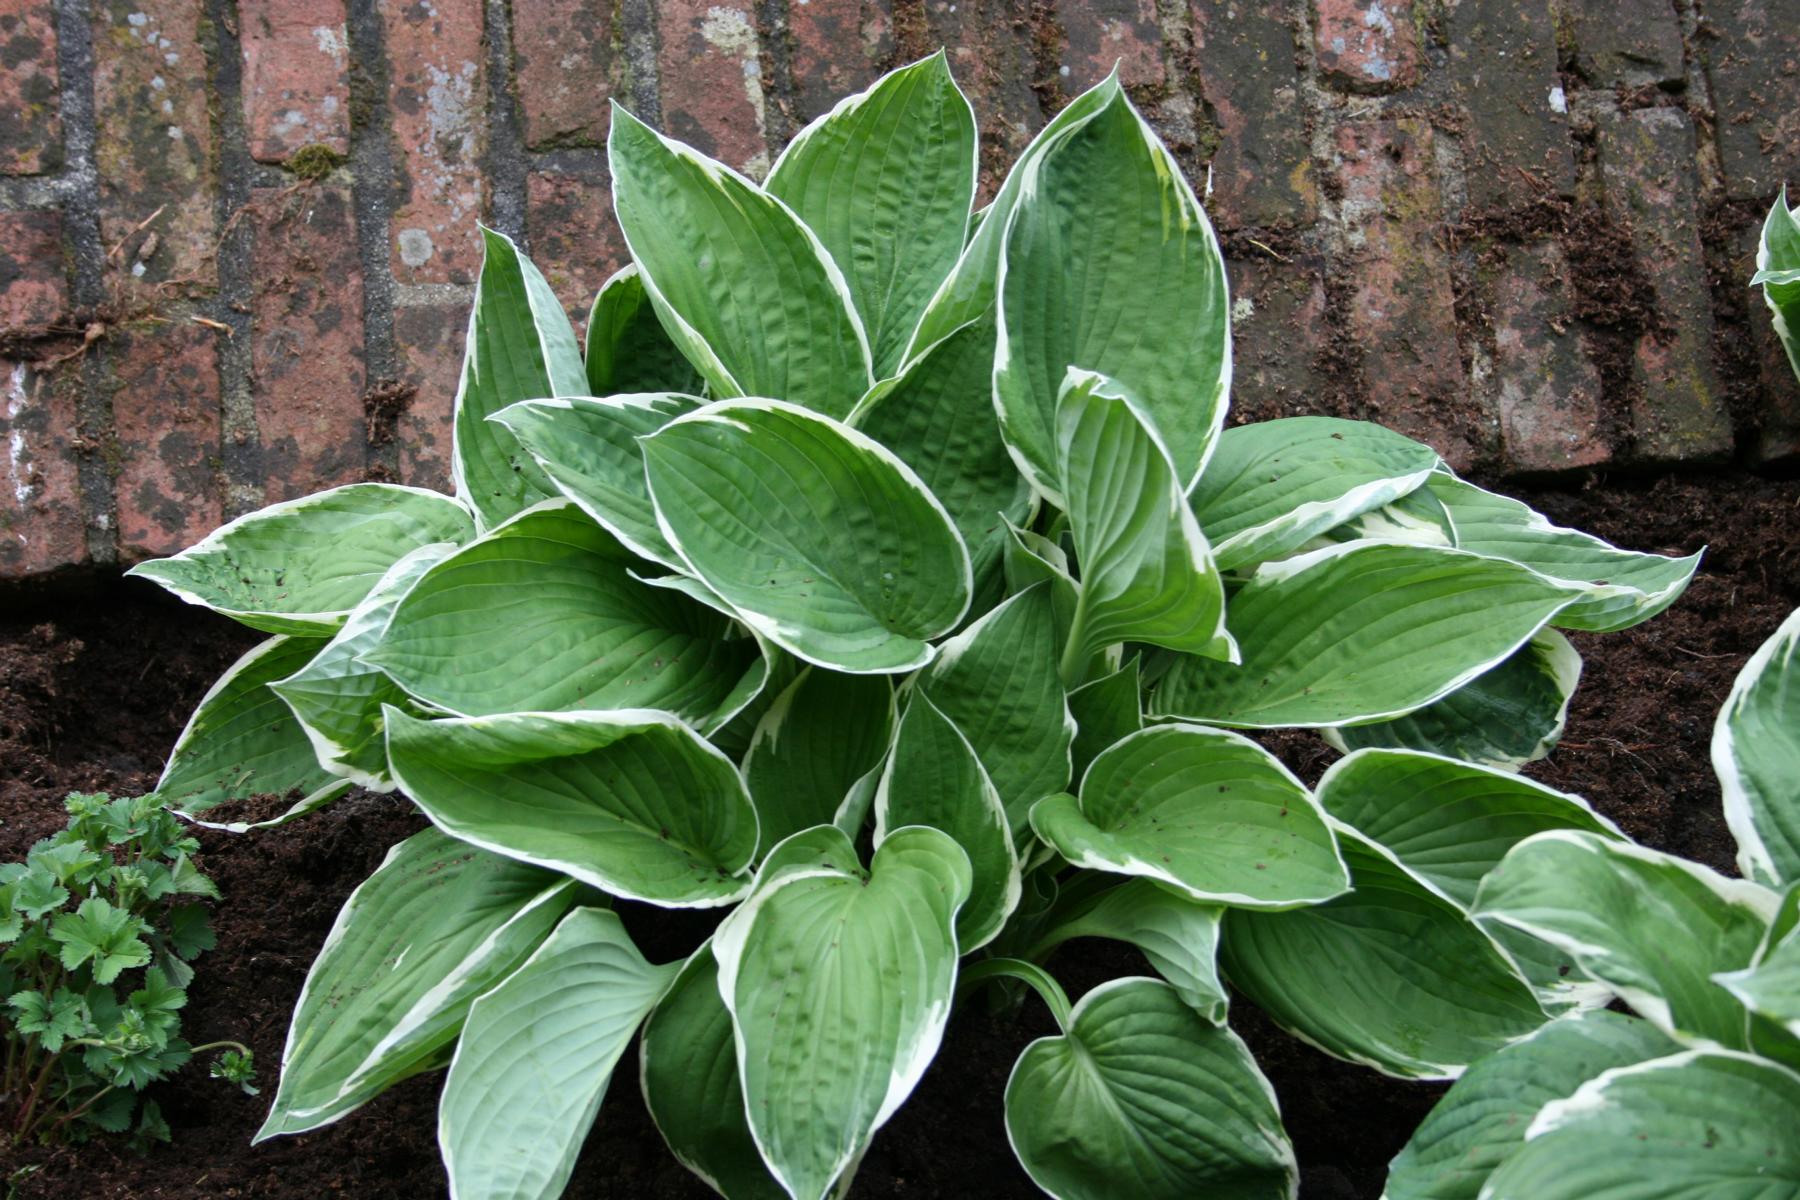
[1778, 271]
[690, 1083]
[1272, 486]
[628, 351]
[587, 447]
[825, 731]
[939, 419]
[1623, 587]
[886, 179]
[1702, 1125]
[1756, 753]
[544, 614]
[818, 537]
[436, 925]
[1770, 987]
[872, 960]
[1143, 1097]
[1147, 574]
[630, 800]
[1179, 936]
[1110, 266]
[1105, 710]
[743, 287]
[536, 1055]
[997, 683]
[1505, 718]
[1390, 975]
[520, 347]
[1652, 927]
[1481, 1121]
[337, 698]
[242, 741]
[300, 566]
[1205, 811]
[780, 670]
[933, 778]
[1358, 632]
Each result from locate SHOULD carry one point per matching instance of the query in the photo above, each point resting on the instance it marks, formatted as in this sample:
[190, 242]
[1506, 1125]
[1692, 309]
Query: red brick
[1753, 62]
[33, 287]
[30, 109]
[1277, 311]
[991, 57]
[307, 353]
[1542, 381]
[563, 57]
[1367, 45]
[573, 237]
[430, 340]
[154, 138]
[166, 424]
[296, 89]
[1511, 109]
[1103, 32]
[1402, 311]
[1625, 42]
[710, 72]
[1262, 172]
[838, 48]
[41, 526]
[437, 93]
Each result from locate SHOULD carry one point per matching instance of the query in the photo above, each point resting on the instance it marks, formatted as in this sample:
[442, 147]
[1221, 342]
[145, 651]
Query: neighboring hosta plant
[1778, 271]
[884, 573]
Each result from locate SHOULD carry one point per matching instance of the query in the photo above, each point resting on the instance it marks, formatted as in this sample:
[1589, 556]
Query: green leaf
[536, 1056]
[817, 536]
[1105, 710]
[300, 566]
[871, 959]
[436, 925]
[744, 288]
[934, 778]
[544, 614]
[1778, 271]
[1481, 1121]
[1360, 632]
[628, 350]
[1147, 573]
[1178, 936]
[630, 801]
[190, 930]
[1704, 1125]
[1272, 486]
[1756, 754]
[1770, 986]
[1621, 587]
[37, 892]
[825, 731]
[103, 938]
[1143, 1097]
[1390, 975]
[1507, 717]
[337, 698]
[520, 347]
[1652, 927]
[51, 1020]
[243, 741]
[1131, 287]
[589, 450]
[886, 179]
[1205, 811]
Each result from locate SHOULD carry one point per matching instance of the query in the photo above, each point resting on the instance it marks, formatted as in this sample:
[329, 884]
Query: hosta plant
[882, 575]
[1778, 274]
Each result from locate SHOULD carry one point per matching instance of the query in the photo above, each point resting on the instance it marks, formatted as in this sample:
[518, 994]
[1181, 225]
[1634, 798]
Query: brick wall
[237, 236]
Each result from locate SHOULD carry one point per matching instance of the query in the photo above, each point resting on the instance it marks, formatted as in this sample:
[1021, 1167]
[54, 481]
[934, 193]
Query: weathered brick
[153, 139]
[429, 338]
[437, 92]
[1648, 187]
[1633, 43]
[296, 88]
[1262, 172]
[1367, 45]
[573, 236]
[41, 526]
[1512, 111]
[838, 48]
[1099, 33]
[33, 288]
[1277, 311]
[1402, 311]
[1545, 386]
[1753, 61]
[990, 55]
[307, 353]
[710, 72]
[165, 403]
[563, 57]
[30, 109]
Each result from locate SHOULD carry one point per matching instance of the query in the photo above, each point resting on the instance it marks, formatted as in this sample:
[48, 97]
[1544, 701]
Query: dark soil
[95, 687]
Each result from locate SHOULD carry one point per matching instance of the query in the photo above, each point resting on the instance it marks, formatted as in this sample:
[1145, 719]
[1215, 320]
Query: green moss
[314, 161]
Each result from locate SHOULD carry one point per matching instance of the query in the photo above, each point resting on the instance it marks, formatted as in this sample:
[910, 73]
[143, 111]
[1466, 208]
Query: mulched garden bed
[95, 685]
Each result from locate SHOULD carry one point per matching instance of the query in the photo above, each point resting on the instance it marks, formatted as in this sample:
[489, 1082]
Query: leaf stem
[1041, 981]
